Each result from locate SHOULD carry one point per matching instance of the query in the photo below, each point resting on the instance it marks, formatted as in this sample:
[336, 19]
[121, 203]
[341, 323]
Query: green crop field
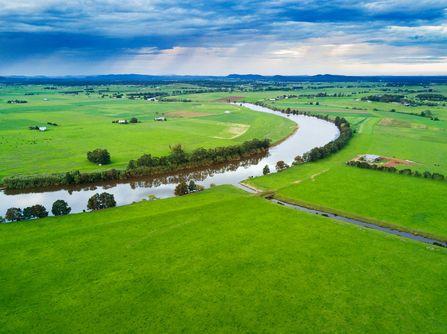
[85, 123]
[217, 261]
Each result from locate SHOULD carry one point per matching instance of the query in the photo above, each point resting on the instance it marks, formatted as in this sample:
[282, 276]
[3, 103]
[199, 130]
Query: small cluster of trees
[99, 156]
[59, 208]
[405, 171]
[17, 101]
[385, 98]
[200, 157]
[31, 212]
[184, 189]
[146, 165]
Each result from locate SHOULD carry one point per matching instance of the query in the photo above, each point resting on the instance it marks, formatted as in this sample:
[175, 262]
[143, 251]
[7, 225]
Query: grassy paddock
[217, 261]
[85, 123]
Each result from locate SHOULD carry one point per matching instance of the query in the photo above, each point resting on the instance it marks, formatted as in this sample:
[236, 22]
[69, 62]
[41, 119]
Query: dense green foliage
[215, 261]
[60, 208]
[99, 156]
[35, 211]
[101, 201]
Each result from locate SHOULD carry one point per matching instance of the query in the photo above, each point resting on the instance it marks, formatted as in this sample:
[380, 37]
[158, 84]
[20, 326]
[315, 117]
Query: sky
[214, 37]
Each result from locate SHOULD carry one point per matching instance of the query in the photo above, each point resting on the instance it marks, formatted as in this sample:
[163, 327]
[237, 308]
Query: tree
[60, 208]
[134, 120]
[99, 156]
[2, 220]
[281, 165]
[266, 170]
[101, 201]
[14, 214]
[298, 160]
[35, 211]
[192, 186]
[181, 189]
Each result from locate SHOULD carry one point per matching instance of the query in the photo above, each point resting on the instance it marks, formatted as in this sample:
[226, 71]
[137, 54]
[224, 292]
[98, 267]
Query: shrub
[281, 165]
[101, 201]
[35, 211]
[60, 208]
[14, 214]
[181, 189]
[266, 170]
[134, 120]
[99, 156]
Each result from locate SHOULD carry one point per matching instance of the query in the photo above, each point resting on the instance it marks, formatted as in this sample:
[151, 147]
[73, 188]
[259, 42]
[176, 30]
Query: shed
[370, 157]
[160, 118]
[42, 128]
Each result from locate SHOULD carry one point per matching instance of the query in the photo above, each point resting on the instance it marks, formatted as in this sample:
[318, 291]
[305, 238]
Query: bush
[101, 201]
[134, 120]
[181, 189]
[281, 165]
[266, 170]
[99, 156]
[35, 211]
[14, 214]
[60, 208]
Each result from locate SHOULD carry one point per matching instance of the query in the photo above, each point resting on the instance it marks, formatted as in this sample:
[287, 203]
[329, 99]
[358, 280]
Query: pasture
[85, 122]
[217, 261]
[402, 201]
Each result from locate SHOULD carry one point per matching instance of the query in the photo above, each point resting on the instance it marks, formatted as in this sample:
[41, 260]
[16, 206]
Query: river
[312, 132]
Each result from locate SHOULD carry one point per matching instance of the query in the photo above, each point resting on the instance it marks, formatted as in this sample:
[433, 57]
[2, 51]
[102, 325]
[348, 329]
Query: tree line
[405, 171]
[59, 208]
[146, 165]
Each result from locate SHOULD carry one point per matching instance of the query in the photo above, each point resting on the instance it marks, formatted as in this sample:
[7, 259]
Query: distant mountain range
[141, 78]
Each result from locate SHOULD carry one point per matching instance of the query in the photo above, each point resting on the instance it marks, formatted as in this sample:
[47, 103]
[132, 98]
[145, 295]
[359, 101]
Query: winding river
[312, 132]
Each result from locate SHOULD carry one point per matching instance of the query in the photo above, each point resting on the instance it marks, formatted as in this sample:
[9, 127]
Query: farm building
[122, 121]
[42, 128]
[160, 118]
[151, 99]
[370, 158]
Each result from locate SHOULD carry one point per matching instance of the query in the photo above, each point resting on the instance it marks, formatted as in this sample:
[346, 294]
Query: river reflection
[312, 132]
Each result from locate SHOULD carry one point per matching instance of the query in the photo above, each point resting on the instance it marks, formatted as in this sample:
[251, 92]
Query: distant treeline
[146, 165]
[431, 97]
[385, 98]
[406, 171]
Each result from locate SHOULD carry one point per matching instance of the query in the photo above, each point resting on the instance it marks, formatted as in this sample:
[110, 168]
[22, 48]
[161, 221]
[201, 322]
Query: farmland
[409, 203]
[220, 260]
[223, 260]
[85, 123]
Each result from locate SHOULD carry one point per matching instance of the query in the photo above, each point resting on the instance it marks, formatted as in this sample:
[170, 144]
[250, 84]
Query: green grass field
[406, 202]
[218, 261]
[85, 123]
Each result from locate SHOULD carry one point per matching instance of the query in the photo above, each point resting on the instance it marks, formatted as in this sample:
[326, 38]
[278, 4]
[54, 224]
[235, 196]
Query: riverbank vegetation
[146, 165]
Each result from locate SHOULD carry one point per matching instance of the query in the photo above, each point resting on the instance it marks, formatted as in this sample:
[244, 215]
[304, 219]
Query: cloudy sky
[214, 37]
